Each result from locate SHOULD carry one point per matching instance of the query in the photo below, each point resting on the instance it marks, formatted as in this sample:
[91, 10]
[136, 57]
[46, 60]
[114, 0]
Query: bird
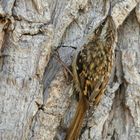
[91, 69]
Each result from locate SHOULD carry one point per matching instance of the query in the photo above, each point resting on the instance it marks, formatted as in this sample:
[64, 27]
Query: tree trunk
[36, 97]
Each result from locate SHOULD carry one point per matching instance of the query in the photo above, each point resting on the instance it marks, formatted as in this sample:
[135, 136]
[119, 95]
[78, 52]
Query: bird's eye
[103, 23]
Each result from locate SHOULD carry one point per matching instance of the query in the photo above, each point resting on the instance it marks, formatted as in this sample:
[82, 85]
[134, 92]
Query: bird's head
[106, 31]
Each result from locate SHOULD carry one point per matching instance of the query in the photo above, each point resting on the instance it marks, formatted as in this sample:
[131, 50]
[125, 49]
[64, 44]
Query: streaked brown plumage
[91, 70]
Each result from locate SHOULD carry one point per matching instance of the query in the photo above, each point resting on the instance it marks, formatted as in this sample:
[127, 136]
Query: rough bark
[36, 98]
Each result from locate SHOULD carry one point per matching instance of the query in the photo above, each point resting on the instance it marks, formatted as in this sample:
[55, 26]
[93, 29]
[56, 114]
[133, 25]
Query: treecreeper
[92, 68]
